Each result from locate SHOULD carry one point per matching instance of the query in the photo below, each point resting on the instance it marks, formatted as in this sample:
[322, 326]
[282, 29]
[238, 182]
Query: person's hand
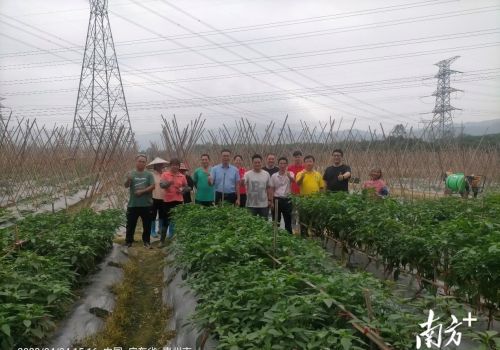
[237, 203]
[271, 204]
[139, 193]
[290, 176]
[341, 177]
[165, 183]
[129, 176]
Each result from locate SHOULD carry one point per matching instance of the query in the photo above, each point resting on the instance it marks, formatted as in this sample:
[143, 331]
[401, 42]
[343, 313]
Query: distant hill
[469, 128]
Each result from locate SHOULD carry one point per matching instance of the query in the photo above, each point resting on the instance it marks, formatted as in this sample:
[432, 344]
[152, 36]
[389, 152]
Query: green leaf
[328, 302]
[346, 343]
[27, 323]
[5, 329]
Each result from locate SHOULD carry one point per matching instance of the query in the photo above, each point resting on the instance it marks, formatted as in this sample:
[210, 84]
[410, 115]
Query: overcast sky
[261, 59]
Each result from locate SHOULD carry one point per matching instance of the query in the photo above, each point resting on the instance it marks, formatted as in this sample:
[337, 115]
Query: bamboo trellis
[56, 167]
[413, 165]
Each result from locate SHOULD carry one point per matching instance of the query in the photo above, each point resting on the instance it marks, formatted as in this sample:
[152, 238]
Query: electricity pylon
[101, 109]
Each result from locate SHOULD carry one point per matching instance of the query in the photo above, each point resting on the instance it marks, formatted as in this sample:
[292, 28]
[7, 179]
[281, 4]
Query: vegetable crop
[248, 301]
[449, 239]
[41, 261]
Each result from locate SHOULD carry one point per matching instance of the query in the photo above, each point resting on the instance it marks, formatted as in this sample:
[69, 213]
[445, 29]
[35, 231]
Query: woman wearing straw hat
[158, 165]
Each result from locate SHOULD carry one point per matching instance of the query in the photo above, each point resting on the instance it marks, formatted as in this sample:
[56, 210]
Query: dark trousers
[284, 208]
[228, 197]
[262, 212]
[204, 203]
[158, 210]
[133, 214]
[243, 200]
[168, 217]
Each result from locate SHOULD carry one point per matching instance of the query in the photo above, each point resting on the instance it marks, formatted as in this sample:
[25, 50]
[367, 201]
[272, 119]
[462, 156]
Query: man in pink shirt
[174, 183]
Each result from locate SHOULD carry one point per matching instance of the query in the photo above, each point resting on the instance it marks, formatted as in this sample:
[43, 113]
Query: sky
[369, 61]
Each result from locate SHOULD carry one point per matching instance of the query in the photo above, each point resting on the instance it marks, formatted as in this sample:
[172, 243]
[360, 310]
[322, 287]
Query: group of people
[265, 189]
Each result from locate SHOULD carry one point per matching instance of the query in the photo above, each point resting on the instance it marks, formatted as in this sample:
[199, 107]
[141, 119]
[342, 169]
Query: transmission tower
[101, 108]
[442, 122]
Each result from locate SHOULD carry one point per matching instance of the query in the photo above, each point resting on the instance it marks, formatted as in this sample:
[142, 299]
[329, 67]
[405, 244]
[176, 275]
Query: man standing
[141, 183]
[205, 194]
[309, 182]
[296, 168]
[281, 188]
[258, 190]
[271, 167]
[337, 175]
[225, 178]
[174, 183]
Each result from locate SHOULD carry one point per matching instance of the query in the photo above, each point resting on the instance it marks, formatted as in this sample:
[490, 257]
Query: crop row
[248, 301]
[449, 239]
[42, 259]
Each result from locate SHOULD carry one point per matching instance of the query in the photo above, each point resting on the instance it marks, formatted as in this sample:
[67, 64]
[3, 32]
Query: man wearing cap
[158, 195]
[141, 183]
[226, 180]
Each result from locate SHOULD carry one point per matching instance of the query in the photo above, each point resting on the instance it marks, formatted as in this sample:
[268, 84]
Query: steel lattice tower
[442, 122]
[100, 106]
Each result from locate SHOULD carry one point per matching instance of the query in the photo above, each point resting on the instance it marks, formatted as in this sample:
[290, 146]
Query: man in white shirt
[258, 190]
[281, 189]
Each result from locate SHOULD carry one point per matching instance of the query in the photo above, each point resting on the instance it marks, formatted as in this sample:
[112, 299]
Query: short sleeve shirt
[140, 181]
[271, 171]
[204, 191]
[331, 178]
[173, 192]
[225, 178]
[311, 183]
[295, 169]
[257, 184]
[281, 185]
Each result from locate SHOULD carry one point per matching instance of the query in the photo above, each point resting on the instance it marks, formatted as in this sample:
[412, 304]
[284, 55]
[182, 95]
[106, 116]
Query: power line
[267, 25]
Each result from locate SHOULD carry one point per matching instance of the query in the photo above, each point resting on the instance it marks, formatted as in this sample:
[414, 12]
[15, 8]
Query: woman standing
[174, 183]
[238, 163]
[158, 195]
[376, 183]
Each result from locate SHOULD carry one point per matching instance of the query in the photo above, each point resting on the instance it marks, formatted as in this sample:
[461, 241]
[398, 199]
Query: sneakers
[147, 245]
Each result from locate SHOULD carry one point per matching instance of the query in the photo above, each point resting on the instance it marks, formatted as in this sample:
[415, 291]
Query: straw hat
[157, 160]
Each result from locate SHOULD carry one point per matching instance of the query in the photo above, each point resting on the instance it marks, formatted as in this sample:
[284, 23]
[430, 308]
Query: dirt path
[139, 318]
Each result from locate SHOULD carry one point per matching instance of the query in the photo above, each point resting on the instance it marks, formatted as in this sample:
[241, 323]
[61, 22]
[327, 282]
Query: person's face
[309, 164]
[158, 167]
[225, 157]
[174, 168]
[140, 163]
[298, 160]
[282, 164]
[257, 164]
[375, 175]
[337, 158]
[237, 162]
[205, 162]
[271, 160]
